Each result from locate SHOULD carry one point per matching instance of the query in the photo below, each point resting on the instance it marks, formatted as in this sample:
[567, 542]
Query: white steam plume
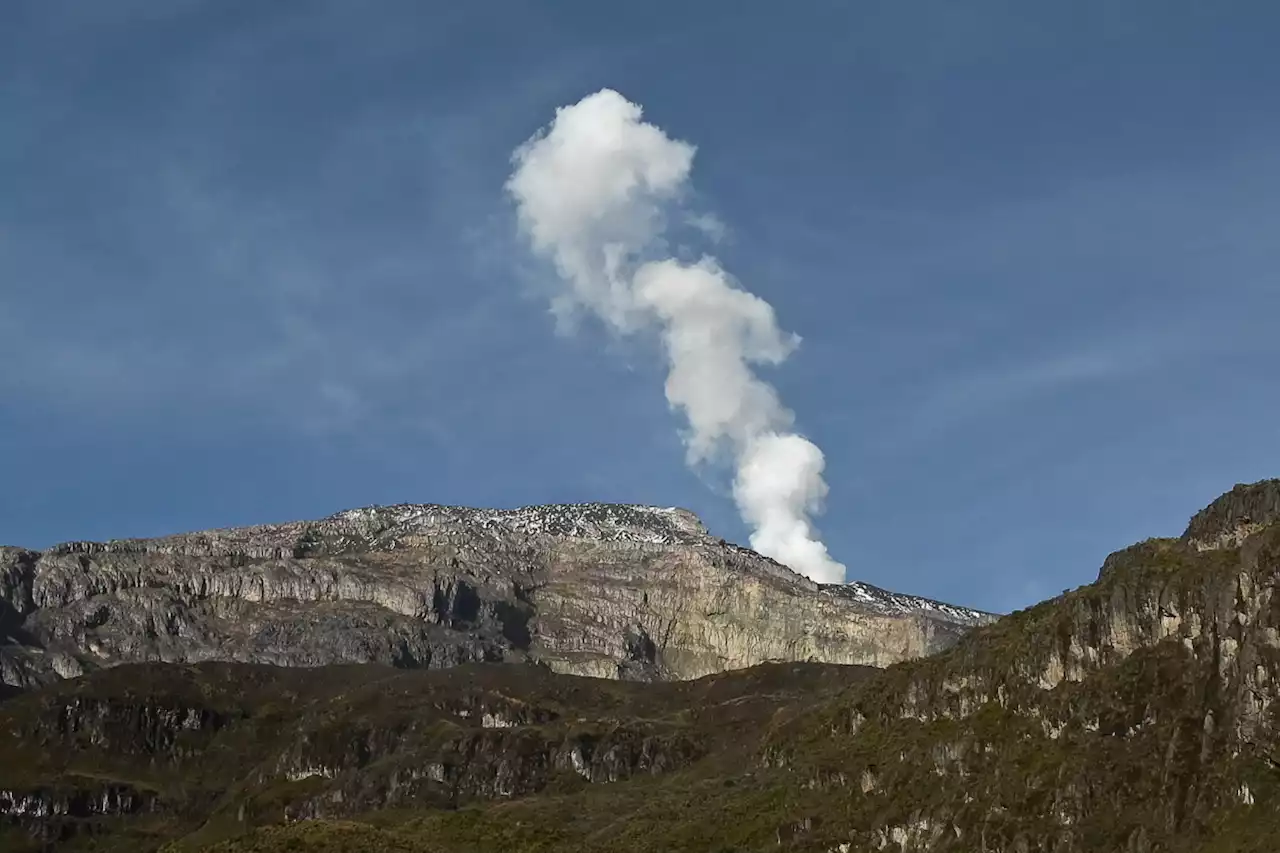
[591, 191]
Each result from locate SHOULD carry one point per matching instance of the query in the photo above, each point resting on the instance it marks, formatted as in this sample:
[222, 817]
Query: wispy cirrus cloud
[205, 268]
[991, 390]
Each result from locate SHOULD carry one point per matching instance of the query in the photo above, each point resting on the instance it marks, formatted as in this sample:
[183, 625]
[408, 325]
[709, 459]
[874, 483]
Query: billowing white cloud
[591, 192]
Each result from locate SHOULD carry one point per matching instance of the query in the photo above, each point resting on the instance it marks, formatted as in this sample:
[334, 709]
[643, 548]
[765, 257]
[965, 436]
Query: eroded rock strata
[605, 590]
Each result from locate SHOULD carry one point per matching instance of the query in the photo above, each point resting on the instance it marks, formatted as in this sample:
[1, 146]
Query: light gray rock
[594, 589]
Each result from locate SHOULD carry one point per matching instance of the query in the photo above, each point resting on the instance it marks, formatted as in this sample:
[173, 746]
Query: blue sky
[256, 264]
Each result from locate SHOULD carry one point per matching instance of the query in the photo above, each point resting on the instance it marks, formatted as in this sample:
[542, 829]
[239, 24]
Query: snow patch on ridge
[605, 522]
[893, 602]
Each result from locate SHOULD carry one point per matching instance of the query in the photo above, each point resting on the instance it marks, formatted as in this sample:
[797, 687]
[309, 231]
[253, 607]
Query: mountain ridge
[608, 522]
[612, 590]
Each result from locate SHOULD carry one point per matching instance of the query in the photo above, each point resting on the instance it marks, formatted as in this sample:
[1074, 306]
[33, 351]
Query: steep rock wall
[611, 591]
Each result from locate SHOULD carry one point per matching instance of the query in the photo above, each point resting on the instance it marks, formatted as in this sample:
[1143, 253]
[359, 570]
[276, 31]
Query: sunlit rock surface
[593, 589]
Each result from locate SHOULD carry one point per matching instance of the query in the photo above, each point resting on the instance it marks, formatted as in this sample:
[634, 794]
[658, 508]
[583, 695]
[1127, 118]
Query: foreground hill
[640, 593]
[132, 756]
[1137, 713]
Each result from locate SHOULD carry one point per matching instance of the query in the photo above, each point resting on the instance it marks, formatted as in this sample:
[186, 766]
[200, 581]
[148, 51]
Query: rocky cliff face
[1139, 713]
[1232, 518]
[614, 591]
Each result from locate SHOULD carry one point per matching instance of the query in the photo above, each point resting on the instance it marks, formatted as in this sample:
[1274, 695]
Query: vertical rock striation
[595, 589]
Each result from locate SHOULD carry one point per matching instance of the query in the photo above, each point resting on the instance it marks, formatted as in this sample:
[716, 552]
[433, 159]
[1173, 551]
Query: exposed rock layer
[605, 590]
[1138, 713]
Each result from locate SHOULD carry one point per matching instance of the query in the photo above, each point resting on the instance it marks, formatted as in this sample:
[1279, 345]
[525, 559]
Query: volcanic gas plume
[592, 193]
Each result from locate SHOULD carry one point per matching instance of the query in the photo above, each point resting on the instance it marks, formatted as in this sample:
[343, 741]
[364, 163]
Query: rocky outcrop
[50, 816]
[605, 590]
[1236, 515]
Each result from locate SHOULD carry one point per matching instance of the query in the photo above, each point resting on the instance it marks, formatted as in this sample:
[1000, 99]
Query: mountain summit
[619, 591]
